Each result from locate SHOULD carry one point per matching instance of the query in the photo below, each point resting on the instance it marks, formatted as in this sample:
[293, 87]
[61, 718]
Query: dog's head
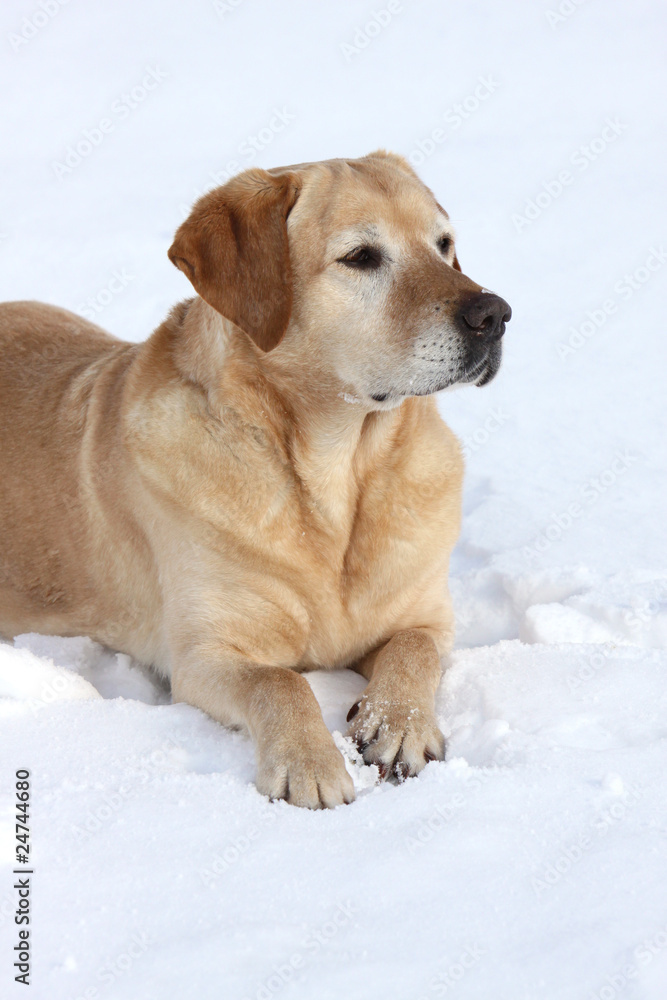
[351, 265]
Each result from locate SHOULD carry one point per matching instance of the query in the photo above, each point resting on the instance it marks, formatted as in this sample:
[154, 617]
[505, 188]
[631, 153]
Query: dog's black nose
[485, 315]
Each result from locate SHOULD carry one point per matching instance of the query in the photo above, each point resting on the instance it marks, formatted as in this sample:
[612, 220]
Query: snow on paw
[399, 738]
[303, 775]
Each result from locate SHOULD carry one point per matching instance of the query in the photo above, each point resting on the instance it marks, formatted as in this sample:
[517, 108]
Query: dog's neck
[334, 445]
[336, 448]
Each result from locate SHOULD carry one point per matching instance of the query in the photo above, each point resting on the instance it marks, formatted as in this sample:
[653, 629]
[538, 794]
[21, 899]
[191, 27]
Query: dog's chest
[354, 562]
[384, 575]
[324, 569]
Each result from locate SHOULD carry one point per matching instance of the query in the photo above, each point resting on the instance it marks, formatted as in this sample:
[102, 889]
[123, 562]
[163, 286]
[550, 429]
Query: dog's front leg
[297, 758]
[394, 723]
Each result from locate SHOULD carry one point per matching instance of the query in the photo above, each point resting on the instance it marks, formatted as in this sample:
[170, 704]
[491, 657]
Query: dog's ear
[233, 247]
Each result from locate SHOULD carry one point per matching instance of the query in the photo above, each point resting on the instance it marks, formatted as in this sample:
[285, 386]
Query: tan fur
[222, 510]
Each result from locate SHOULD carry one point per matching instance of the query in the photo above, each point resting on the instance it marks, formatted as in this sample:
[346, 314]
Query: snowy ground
[533, 863]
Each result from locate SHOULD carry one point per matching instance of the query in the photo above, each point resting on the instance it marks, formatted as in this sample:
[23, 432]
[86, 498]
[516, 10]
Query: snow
[532, 863]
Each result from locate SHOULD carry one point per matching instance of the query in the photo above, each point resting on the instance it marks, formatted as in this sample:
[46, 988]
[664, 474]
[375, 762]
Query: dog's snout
[485, 315]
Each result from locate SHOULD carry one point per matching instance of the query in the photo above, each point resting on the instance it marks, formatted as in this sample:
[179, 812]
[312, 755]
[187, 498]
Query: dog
[264, 486]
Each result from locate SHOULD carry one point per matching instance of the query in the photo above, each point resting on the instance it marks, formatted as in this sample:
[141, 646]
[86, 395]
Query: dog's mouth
[486, 369]
[478, 372]
[487, 377]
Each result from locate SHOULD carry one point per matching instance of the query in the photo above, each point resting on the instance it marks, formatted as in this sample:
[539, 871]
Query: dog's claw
[353, 711]
[401, 770]
[398, 738]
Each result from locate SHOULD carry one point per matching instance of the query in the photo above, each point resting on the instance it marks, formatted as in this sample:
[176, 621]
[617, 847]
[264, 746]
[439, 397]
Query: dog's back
[50, 362]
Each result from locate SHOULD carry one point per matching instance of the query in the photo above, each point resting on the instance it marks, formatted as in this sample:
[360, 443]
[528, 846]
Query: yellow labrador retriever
[264, 486]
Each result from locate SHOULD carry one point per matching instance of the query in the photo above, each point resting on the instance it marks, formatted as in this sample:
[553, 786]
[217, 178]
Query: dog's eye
[444, 245]
[364, 258]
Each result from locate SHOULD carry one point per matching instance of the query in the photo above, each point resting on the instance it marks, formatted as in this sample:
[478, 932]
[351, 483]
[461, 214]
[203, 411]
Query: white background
[533, 863]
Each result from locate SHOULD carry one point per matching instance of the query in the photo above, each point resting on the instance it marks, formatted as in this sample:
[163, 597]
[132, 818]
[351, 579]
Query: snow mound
[27, 677]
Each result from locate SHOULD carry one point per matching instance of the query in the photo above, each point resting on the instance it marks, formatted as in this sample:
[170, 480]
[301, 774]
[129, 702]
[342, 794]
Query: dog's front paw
[399, 738]
[311, 773]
